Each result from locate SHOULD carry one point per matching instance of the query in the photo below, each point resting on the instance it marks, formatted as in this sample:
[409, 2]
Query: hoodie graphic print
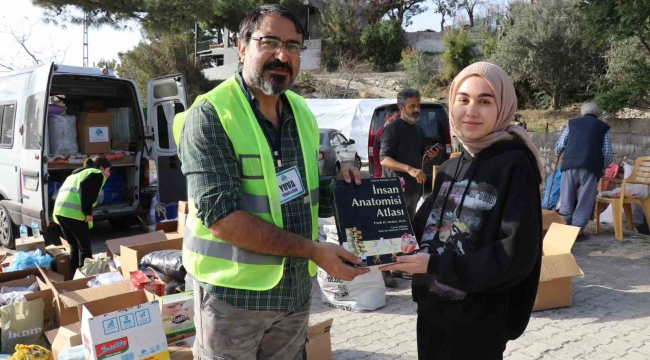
[459, 226]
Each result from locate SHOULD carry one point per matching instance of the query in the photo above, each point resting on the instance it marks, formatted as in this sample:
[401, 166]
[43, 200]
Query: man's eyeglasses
[272, 44]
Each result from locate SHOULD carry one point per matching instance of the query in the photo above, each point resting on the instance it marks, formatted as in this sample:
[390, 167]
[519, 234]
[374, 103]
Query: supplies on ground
[22, 323]
[168, 262]
[178, 316]
[95, 266]
[109, 278]
[31, 352]
[29, 260]
[365, 293]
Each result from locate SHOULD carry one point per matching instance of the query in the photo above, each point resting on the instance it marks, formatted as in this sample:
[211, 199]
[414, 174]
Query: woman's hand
[414, 264]
[89, 218]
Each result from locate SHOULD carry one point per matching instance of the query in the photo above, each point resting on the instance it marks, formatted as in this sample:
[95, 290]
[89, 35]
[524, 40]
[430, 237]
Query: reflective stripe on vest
[68, 201]
[214, 261]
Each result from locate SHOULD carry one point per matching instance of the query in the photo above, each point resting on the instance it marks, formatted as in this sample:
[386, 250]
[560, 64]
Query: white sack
[62, 130]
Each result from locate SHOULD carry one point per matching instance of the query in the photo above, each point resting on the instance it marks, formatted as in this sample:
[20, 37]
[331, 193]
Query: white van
[29, 170]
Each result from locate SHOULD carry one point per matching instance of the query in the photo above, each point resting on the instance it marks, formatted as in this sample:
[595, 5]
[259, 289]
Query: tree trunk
[442, 24]
[555, 102]
[470, 14]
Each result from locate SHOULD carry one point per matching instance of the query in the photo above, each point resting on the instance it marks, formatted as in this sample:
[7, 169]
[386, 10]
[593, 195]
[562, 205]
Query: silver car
[334, 150]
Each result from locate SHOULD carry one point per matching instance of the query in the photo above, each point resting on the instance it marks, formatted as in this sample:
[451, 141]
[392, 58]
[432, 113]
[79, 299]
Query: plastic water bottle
[36, 232]
[23, 233]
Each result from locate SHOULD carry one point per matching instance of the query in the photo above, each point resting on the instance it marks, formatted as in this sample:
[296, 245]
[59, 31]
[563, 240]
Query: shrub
[382, 44]
[459, 53]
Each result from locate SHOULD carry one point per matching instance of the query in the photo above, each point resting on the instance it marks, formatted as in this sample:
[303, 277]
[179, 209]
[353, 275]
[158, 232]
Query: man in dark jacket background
[588, 152]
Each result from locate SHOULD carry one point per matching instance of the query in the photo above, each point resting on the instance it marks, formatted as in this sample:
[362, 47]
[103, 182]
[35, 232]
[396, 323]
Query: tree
[470, 7]
[627, 82]
[164, 55]
[617, 19]
[445, 8]
[459, 53]
[168, 16]
[26, 54]
[546, 46]
[382, 44]
[108, 64]
[402, 10]
[341, 30]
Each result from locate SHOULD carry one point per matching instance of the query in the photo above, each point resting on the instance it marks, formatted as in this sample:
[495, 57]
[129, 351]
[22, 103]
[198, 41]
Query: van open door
[166, 97]
[33, 161]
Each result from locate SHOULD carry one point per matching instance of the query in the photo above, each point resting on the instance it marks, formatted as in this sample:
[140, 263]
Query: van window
[34, 112]
[164, 90]
[163, 128]
[432, 120]
[7, 112]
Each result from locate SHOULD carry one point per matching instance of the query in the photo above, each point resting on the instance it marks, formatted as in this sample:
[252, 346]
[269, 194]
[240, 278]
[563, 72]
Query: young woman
[480, 231]
[73, 209]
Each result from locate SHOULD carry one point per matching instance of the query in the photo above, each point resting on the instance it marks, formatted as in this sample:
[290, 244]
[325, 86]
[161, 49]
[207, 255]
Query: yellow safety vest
[214, 261]
[68, 201]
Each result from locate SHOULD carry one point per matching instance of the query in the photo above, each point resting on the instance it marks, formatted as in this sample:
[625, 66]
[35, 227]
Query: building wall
[431, 42]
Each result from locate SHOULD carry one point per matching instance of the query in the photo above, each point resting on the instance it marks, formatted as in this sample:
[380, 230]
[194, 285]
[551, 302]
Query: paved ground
[609, 319]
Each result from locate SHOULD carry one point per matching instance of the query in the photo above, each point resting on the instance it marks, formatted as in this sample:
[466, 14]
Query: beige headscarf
[506, 99]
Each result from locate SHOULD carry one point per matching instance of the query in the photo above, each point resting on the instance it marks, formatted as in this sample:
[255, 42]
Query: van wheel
[121, 224]
[7, 229]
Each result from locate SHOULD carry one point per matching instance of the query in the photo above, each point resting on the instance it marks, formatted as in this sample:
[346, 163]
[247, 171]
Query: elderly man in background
[588, 152]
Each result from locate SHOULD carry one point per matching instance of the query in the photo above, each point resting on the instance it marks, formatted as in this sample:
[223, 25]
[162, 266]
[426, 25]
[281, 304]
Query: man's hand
[432, 153]
[348, 172]
[418, 174]
[330, 258]
[89, 218]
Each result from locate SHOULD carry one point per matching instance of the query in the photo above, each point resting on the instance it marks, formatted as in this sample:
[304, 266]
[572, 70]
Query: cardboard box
[27, 278]
[548, 218]
[68, 295]
[178, 316]
[64, 337]
[131, 256]
[319, 341]
[167, 226]
[61, 263]
[123, 325]
[93, 132]
[94, 105]
[31, 244]
[113, 246]
[558, 267]
[140, 281]
[182, 350]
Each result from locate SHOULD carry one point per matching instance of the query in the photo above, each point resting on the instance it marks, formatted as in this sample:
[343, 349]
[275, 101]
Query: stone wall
[627, 147]
[431, 42]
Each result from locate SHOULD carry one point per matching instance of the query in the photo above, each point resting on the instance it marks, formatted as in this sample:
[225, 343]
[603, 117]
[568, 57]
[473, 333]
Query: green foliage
[168, 16]
[545, 46]
[403, 11]
[382, 44]
[459, 53]
[108, 64]
[161, 56]
[419, 69]
[488, 42]
[627, 82]
[618, 19]
[341, 31]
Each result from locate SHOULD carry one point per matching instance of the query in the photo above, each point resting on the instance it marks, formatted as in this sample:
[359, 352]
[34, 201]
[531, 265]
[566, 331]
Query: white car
[334, 150]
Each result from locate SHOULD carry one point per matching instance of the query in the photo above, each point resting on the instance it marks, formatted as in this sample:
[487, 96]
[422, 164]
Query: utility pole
[85, 42]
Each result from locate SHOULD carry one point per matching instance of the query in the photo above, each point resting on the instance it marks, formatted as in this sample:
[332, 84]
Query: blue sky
[103, 43]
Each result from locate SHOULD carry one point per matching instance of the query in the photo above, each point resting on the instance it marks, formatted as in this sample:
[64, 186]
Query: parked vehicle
[31, 172]
[435, 122]
[334, 150]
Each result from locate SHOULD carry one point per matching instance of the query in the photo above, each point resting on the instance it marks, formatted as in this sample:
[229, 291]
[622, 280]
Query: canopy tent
[351, 117]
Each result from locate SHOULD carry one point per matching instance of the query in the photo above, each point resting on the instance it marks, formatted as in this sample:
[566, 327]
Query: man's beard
[276, 84]
[411, 119]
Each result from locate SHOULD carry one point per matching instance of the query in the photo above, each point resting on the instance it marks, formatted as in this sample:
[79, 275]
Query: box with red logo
[140, 281]
[130, 333]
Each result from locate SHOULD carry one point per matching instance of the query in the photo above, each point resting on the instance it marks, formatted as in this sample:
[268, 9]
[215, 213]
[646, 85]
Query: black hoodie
[486, 252]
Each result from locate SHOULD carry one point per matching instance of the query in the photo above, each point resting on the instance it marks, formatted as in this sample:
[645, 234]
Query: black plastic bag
[167, 262]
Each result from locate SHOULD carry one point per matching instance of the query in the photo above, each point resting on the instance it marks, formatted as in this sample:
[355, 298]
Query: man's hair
[407, 93]
[391, 109]
[253, 19]
[589, 108]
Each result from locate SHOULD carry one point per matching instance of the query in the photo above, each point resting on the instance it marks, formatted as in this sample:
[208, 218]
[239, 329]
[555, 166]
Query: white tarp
[349, 116]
